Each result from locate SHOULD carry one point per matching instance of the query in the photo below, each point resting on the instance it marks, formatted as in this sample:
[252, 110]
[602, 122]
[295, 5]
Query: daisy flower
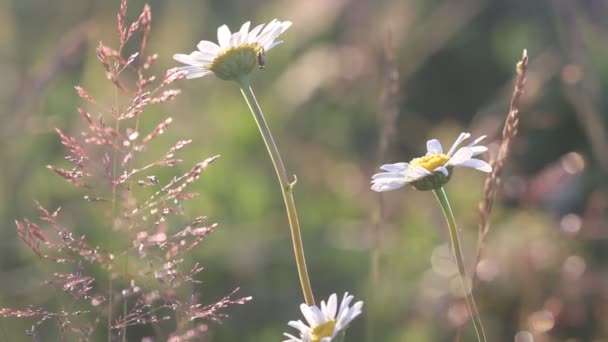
[237, 53]
[323, 324]
[434, 169]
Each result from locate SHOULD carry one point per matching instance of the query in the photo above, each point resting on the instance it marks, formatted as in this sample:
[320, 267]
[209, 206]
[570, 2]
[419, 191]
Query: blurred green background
[544, 273]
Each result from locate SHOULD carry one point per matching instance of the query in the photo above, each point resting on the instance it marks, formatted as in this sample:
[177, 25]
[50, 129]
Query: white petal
[345, 301]
[388, 179]
[208, 47]
[299, 325]
[388, 186]
[270, 26]
[223, 36]
[477, 150]
[476, 141]
[462, 137]
[291, 338]
[235, 39]
[203, 56]
[348, 315]
[442, 169]
[397, 167]
[194, 71]
[312, 314]
[188, 59]
[285, 25]
[244, 32]
[267, 40]
[356, 310]
[269, 31]
[197, 73]
[416, 173]
[463, 154]
[308, 315]
[332, 304]
[395, 175]
[477, 164]
[254, 33]
[433, 146]
[275, 43]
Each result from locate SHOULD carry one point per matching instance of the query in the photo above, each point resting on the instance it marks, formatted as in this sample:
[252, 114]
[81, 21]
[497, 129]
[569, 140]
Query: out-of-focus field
[544, 271]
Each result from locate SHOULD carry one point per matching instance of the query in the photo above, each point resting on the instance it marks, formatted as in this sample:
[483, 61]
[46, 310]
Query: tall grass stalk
[388, 113]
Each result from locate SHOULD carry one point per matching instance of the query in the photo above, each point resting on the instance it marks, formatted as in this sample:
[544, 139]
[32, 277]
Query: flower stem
[442, 198]
[286, 188]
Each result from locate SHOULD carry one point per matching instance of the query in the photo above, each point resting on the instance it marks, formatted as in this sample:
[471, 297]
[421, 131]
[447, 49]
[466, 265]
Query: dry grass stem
[492, 182]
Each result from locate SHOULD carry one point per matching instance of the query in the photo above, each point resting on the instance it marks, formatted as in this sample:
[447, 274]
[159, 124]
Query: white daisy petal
[235, 40]
[244, 33]
[275, 43]
[295, 324]
[309, 315]
[188, 59]
[463, 154]
[194, 71]
[205, 57]
[388, 175]
[332, 305]
[397, 167]
[345, 301]
[462, 137]
[269, 31]
[291, 338]
[433, 146]
[416, 173]
[442, 170]
[208, 47]
[270, 26]
[254, 33]
[285, 25]
[388, 186]
[477, 164]
[477, 150]
[349, 315]
[223, 36]
[197, 73]
[477, 141]
[271, 36]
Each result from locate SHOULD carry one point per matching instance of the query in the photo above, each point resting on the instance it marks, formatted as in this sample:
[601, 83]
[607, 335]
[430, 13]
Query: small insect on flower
[261, 58]
[237, 53]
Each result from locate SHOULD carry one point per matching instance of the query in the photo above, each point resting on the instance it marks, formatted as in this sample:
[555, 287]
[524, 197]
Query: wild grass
[143, 276]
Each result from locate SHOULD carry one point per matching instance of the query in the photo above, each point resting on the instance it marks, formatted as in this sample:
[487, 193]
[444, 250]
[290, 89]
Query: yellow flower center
[235, 62]
[323, 330]
[430, 162]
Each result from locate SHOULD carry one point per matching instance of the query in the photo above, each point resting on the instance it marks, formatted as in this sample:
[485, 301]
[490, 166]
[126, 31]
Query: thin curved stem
[286, 188]
[442, 198]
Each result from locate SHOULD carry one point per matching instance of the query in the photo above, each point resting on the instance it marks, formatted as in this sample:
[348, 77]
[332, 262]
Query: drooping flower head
[434, 169]
[237, 53]
[323, 324]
